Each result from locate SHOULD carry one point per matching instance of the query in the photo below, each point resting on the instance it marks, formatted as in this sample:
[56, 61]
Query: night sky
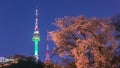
[17, 19]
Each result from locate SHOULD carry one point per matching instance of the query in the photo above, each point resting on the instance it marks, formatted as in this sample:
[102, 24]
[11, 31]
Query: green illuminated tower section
[36, 37]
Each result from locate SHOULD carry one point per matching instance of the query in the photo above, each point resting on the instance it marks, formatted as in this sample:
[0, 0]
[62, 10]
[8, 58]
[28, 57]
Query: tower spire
[36, 37]
[36, 21]
[47, 60]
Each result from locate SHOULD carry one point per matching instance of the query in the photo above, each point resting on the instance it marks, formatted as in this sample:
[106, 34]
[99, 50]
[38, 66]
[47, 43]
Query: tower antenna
[47, 60]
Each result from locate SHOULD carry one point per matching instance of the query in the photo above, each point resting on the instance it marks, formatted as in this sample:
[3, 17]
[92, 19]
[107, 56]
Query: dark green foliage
[26, 64]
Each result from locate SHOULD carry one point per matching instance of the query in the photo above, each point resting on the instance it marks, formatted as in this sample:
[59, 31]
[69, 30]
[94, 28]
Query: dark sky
[17, 18]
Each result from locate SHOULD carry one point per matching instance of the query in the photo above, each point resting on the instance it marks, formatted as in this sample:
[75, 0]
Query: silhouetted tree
[17, 56]
[90, 41]
[24, 62]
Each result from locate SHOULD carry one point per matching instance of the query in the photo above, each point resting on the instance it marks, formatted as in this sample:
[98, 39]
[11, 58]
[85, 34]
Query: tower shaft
[36, 48]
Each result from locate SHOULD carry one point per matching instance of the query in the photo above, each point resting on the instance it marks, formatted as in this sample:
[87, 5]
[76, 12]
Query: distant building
[6, 61]
[3, 60]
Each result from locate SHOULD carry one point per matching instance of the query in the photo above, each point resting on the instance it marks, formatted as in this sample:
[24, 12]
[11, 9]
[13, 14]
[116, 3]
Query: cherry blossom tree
[90, 41]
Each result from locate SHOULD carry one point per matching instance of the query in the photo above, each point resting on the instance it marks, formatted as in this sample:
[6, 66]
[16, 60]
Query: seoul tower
[36, 37]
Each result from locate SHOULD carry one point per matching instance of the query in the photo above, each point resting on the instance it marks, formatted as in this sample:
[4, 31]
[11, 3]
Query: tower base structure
[36, 58]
